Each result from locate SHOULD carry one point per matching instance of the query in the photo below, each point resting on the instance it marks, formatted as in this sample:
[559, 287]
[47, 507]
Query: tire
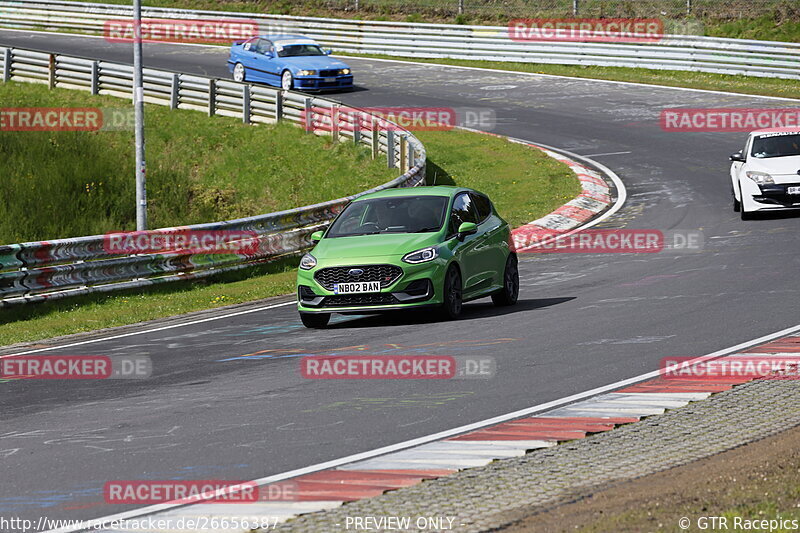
[737, 205]
[287, 81]
[239, 73]
[452, 294]
[510, 292]
[315, 320]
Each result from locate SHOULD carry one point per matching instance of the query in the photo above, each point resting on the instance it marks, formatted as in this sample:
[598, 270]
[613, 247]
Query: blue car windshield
[776, 146]
[296, 50]
[398, 214]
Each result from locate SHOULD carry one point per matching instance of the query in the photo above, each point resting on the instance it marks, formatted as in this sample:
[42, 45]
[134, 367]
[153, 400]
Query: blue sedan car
[289, 62]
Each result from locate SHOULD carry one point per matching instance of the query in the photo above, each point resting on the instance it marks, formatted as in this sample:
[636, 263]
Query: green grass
[672, 78]
[524, 184]
[199, 169]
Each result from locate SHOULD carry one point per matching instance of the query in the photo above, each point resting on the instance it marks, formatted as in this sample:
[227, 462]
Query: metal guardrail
[491, 43]
[37, 271]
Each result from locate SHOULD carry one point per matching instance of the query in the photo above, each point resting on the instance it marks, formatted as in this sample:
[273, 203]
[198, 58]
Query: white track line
[443, 434]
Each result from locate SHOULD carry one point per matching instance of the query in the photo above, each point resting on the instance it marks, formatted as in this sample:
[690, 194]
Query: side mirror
[328, 52]
[317, 236]
[466, 228]
[738, 156]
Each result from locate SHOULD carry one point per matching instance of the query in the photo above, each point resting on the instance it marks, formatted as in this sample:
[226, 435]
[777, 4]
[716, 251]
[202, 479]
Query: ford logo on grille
[355, 271]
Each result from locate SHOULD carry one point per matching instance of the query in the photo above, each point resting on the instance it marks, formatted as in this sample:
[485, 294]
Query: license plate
[356, 287]
[330, 80]
[792, 190]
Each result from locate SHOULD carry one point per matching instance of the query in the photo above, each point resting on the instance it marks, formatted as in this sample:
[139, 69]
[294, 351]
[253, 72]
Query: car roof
[286, 37]
[775, 130]
[436, 190]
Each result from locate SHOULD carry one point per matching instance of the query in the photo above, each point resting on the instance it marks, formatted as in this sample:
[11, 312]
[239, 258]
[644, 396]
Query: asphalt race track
[212, 410]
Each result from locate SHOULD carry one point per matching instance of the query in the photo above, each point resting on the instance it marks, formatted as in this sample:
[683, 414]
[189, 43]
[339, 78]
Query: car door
[490, 251]
[738, 166]
[468, 250]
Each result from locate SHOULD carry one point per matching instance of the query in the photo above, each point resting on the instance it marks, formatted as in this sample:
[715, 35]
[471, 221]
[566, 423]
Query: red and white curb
[595, 197]
[327, 489]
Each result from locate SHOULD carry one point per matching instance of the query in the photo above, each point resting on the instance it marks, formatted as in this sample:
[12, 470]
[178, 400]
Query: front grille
[351, 300]
[386, 274]
[328, 73]
[776, 194]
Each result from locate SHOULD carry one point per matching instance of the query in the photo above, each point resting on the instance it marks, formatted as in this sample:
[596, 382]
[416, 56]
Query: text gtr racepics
[406, 249]
[289, 62]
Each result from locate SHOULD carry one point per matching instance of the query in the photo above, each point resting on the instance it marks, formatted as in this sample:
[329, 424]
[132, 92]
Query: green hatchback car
[406, 249]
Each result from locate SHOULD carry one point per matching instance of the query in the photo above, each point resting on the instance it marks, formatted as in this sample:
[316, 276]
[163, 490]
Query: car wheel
[737, 205]
[510, 292]
[315, 320]
[239, 73]
[453, 303]
[287, 81]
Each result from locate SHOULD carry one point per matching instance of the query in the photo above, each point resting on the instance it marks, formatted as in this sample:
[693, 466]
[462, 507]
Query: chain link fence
[505, 9]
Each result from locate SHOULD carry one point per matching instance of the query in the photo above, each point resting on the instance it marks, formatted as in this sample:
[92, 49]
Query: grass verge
[200, 169]
[524, 184]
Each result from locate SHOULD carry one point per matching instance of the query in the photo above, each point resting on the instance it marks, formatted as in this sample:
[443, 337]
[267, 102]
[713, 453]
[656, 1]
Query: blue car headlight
[344, 71]
[421, 256]
[306, 72]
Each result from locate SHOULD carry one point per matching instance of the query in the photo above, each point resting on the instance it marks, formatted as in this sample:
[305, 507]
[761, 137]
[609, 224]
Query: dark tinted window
[463, 211]
[399, 214]
[483, 206]
[776, 146]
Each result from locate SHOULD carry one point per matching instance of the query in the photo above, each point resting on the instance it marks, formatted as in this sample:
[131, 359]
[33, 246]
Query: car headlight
[421, 256]
[344, 71]
[308, 262]
[307, 73]
[759, 177]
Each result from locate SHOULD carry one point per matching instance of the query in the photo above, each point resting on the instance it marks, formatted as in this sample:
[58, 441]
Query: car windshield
[296, 50]
[399, 214]
[776, 146]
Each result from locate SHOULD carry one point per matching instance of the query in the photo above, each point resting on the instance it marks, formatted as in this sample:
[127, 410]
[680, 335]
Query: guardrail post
[6, 65]
[376, 139]
[335, 122]
[575, 8]
[278, 106]
[688, 7]
[357, 128]
[95, 78]
[390, 147]
[403, 152]
[246, 104]
[175, 92]
[212, 97]
[51, 71]
[309, 110]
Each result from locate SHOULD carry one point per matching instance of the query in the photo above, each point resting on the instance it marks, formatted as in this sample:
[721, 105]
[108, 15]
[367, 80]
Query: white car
[765, 176]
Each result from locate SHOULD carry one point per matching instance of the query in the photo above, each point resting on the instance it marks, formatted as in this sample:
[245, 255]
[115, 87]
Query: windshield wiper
[425, 230]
